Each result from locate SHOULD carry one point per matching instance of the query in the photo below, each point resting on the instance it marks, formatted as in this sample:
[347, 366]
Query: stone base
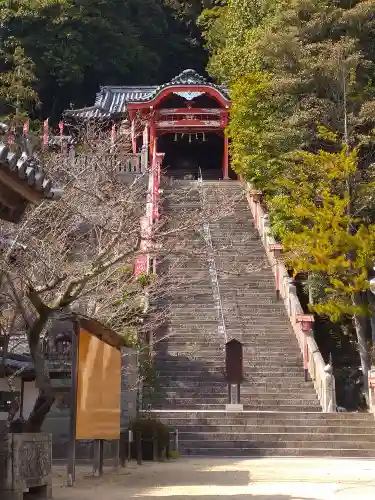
[44, 492]
[29, 466]
[233, 407]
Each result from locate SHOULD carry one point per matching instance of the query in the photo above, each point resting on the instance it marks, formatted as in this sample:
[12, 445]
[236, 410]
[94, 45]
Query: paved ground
[223, 479]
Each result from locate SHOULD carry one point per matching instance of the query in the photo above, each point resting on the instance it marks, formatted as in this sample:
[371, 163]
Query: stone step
[248, 386]
[180, 369]
[270, 306]
[251, 350]
[342, 444]
[174, 418]
[176, 405]
[277, 452]
[247, 394]
[300, 430]
[250, 358]
[258, 333]
[205, 286]
[248, 340]
[253, 277]
[248, 324]
[187, 388]
[249, 364]
[271, 312]
[208, 378]
[239, 439]
[272, 331]
[229, 298]
[259, 355]
[253, 401]
[256, 346]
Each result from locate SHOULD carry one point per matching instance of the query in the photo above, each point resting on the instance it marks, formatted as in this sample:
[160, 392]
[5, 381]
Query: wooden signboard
[234, 362]
[98, 389]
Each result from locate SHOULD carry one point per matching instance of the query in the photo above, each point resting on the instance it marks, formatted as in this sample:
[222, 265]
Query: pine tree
[328, 238]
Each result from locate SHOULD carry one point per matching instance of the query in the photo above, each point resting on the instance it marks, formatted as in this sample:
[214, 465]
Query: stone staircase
[282, 415]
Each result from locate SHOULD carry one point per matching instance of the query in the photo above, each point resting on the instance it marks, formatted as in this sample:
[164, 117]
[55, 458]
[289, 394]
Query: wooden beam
[12, 214]
[9, 198]
[18, 186]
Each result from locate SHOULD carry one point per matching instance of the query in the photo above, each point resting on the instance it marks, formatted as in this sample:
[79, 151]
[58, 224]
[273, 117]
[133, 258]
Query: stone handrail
[320, 374]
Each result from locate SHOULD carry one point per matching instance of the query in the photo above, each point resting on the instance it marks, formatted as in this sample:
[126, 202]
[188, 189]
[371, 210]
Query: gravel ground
[223, 479]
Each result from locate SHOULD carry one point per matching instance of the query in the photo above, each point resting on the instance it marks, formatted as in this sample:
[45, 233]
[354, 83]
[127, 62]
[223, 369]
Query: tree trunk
[360, 324]
[46, 398]
[371, 301]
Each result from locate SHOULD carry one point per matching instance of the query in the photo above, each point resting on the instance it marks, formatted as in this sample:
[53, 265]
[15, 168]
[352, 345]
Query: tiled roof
[55, 140]
[28, 171]
[114, 99]
[87, 113]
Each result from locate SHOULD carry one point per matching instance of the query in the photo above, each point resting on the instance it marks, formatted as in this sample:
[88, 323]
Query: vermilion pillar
[226, 158]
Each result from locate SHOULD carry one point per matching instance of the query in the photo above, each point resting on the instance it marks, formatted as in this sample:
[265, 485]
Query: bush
[149, 428]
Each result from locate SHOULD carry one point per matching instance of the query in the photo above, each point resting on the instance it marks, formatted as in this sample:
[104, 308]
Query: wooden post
[226, 158]
[130, 441]
[98, 457]
[155, 447]
[234, 370]
[116, 454]
[175, 445]
[167, 450]
[123, 450]
[73, 408]
[138, 447]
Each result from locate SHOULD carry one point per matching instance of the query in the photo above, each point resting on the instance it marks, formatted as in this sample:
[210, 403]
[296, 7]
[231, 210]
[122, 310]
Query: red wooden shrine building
[186, 121]
[184, 134]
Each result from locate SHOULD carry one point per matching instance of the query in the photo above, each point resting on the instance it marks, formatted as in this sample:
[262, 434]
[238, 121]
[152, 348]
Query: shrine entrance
[186, 153]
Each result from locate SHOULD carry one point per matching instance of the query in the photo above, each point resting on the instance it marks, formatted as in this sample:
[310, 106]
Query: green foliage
[174, 454]
[293, 68]
[130, 336]
[75, 46]
[150, 428]
[323, 242]
[145, 280]
[17, 95]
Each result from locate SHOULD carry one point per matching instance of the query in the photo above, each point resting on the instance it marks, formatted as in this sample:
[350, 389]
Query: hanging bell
[196, 136]
[189, 137]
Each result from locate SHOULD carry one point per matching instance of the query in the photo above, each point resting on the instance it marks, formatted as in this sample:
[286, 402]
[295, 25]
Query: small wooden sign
[234, 362]
[276, 247]
[308, 318]
[140, 265]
